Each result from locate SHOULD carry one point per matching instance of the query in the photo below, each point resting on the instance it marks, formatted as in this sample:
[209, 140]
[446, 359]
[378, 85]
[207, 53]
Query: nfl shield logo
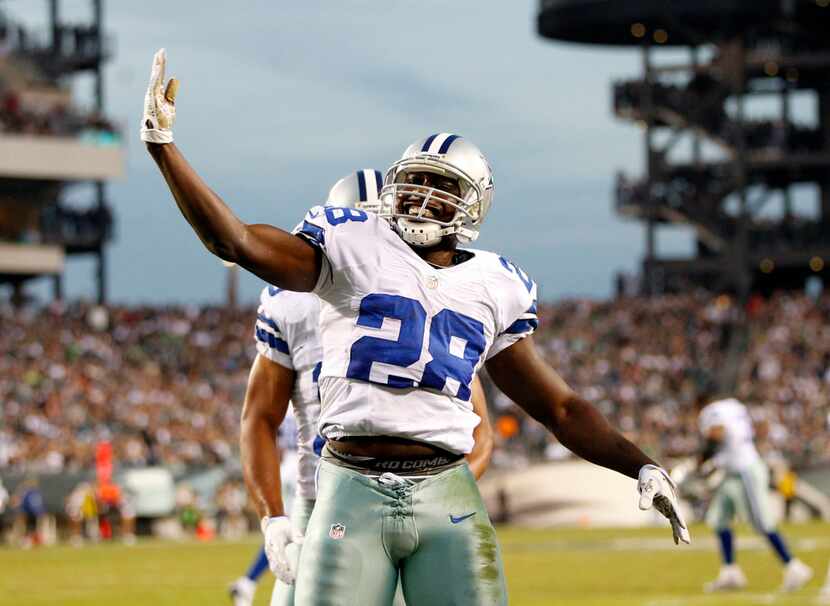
[337, 531]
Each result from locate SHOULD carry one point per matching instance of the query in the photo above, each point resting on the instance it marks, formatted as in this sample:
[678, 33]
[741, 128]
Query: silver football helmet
[414, 209]
[360, 190]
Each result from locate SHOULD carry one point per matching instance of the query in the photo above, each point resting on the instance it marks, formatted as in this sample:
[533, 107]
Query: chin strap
[424, 233]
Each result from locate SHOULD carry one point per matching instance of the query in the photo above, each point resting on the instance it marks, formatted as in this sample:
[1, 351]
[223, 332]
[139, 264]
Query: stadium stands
[643, 360]
[166, 384]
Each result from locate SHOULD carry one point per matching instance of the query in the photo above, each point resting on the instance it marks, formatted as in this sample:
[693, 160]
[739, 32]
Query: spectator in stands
[165, 384]
[58, 120]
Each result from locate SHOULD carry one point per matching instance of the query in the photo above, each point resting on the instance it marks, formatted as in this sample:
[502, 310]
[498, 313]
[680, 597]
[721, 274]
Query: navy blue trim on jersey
[379, 180]
[521, 326]
[515, 269]
[273, 290]
[361, 185]
[313, 234]
[533, 308]
[315, 378]
[272, 340]
[428, 142]
[269, 322]
[445, 146]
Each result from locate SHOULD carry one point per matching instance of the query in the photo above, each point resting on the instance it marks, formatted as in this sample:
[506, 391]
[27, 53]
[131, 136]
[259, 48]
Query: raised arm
[269, 252]
[479, 457]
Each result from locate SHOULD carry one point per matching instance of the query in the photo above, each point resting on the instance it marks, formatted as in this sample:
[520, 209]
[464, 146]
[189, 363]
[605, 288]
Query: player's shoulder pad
[507, 274]
[514, 292]
[714, 411]
[286, 306]
[269, 293]
[321, 223]
[271, 300]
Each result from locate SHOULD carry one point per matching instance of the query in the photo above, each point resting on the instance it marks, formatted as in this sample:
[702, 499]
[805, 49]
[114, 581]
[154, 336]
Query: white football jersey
[738, 449]
[402, 340]
[287, 332]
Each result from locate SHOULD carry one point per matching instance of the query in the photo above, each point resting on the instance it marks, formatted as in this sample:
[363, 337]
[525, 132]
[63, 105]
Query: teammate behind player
[727, 428]
[407, 320]
[287, 366]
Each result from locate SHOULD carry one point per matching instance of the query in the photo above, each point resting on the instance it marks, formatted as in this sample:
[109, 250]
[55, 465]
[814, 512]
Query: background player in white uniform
[288, 358]
[287, 337]
[727, 427]
[418, 318]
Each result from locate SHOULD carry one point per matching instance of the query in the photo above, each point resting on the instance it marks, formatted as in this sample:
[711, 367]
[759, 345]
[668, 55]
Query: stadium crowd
[19, 118]
[644, 361]
[166, 384]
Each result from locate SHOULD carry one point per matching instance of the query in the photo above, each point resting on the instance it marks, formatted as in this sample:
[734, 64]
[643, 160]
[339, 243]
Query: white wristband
[266, 520]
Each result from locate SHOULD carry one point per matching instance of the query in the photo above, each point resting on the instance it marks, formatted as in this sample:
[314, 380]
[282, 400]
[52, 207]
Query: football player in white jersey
[407, 320]
[287, 366]
[727, 428]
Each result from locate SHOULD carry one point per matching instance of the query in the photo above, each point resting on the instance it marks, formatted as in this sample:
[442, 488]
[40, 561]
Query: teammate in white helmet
[727, 428]
[407, 319]
[287, 366]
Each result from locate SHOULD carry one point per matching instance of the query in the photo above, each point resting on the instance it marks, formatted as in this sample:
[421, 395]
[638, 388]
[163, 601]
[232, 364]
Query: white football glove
[657, 489]
[278, 536]
[159, 106]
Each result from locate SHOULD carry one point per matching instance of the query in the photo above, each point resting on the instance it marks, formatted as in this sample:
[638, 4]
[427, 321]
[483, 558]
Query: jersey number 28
[456, 343]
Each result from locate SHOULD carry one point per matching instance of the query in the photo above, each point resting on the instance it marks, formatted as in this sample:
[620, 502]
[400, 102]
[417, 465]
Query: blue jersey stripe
[361, 185]
[379, 180]
[268, 321]
[273, 341]
[314, 234]
[428, 142]
[445, 146]
[521, 326]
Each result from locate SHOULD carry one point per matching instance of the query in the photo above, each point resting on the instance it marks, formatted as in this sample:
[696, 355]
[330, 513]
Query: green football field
[563, 567]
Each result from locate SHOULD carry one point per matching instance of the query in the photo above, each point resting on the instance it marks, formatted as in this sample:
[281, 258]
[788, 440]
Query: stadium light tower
[48, 145]
[741, 54]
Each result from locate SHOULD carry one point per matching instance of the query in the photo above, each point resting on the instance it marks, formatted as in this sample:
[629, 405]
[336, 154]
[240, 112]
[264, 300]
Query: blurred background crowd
[50, 115]
[643, 361]
[165, 385]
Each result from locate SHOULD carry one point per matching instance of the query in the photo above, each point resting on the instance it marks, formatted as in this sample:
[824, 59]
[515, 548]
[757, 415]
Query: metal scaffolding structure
[69, 49]
[710, 164]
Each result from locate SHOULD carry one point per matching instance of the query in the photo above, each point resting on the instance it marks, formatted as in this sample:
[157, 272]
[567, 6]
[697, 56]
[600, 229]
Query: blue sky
[279, 100]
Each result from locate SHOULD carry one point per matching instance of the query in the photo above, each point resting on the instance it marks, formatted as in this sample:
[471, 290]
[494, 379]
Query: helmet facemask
[422, 214]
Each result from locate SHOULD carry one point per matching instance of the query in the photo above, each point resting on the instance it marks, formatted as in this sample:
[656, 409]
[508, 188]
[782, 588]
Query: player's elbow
[222, 248]
[565, 411]
[232, 245]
